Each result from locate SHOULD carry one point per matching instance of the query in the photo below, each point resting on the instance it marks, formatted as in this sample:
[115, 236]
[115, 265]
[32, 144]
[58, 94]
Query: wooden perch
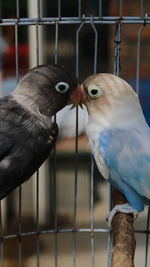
[123, 235]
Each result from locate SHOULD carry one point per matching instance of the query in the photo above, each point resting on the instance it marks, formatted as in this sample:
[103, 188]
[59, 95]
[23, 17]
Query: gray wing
[24, 145]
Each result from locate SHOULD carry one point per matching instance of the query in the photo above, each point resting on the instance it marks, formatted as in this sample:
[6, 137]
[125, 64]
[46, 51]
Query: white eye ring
[94, 91]
[62, 87]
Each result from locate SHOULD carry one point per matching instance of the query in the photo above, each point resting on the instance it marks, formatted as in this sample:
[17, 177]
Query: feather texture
[27, 133]
[119, 136]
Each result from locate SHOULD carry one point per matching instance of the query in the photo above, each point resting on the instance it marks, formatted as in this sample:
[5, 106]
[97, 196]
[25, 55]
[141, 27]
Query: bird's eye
[62, 87]
[94, 91]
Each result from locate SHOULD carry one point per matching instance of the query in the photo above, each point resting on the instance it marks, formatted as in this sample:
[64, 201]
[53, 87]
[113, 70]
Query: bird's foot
[124, 208]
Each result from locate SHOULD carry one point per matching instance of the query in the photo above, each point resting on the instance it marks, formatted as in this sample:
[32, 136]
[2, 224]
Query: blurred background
[69, 193]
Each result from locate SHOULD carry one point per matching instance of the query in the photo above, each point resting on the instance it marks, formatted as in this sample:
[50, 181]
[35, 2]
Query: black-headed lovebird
[27, 133]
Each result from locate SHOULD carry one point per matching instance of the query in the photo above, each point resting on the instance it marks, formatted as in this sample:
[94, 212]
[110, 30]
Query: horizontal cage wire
[57, 218]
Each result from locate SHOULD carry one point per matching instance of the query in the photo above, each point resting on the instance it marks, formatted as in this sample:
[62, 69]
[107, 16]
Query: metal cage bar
[74, 20]
[100, 8]
[142, 8]
[92, 214]
[1, 238]
[55, 165]
[138, 58]
[147, 237]
[20, 187]
[59, 9]
[79, 8]
[37, 173]
[68, 230]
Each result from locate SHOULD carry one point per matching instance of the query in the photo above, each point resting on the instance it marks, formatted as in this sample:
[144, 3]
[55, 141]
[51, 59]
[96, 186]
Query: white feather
[118, 107]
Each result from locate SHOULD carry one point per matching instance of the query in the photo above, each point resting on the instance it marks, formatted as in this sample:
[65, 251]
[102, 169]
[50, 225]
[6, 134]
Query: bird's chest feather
[93, 131]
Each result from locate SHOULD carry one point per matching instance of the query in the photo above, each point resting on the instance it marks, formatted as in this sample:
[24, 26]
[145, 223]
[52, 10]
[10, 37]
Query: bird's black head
[49, 86]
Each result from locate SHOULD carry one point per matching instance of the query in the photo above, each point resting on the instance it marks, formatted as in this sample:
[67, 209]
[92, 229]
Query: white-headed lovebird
[119, 138]
[27, 133]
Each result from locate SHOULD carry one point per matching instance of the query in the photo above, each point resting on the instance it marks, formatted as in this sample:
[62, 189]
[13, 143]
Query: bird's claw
[124, 208]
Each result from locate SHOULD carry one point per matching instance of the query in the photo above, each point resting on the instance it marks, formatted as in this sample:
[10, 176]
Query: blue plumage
[127, 154]
[119, 138]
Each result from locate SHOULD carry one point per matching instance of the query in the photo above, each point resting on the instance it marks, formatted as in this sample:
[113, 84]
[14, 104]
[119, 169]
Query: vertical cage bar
[16, 52]
[117, 67]
[92, 212]
[56, 43]
[110, 233]
[100, 8]
[38, 9]
[117, 41]
[147, 237]
[138, 59]
[76, 154]
[20, 226]
[37, 44]
[121, 8]
[142, 8]
[75, 189]
[77, 48]
[95, 46]
[75, 192]
[92, 162]
[37, 221]
[17, 8]
[1, 238]
[59, 9]
[20, 190]
[79, 8]
[55, 211]
[37, 173]
[54, 169]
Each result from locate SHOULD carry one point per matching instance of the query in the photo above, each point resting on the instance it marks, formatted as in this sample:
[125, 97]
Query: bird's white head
[111, 101]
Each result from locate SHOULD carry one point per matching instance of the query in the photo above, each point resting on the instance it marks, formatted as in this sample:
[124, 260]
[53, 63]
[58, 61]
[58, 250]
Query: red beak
[78, 96]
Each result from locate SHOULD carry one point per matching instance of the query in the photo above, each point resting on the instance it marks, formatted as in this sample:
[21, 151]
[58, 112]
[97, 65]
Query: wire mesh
[79, 23]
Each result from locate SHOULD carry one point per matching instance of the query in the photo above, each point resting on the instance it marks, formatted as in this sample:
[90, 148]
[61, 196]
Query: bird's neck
[32, 102]
[121, 115]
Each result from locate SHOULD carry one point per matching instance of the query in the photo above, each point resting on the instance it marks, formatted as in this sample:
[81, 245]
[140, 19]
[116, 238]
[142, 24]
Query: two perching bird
[118, 133]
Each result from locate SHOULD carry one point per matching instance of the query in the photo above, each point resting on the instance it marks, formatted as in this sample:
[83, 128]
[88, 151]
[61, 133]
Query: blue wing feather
[135, 199]
[127, 153]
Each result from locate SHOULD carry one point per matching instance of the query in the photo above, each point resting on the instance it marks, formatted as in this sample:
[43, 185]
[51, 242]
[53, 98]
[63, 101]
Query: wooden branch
[123, 235]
